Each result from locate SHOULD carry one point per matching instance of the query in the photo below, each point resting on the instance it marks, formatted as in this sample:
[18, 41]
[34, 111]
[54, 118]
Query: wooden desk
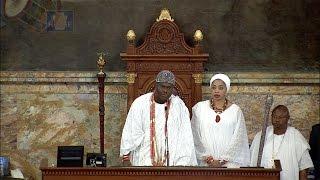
[160, 173]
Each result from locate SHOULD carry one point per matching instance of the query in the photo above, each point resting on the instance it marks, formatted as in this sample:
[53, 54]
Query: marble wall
[42, 110]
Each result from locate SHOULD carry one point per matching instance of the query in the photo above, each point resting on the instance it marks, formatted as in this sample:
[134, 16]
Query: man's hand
[303, 174]
[126, 160]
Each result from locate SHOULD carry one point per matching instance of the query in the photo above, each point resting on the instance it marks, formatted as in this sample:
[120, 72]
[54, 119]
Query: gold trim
[198, 78]
[131, 36]
[131, 77]
[165, 14]
[101, 62]
[198, 36]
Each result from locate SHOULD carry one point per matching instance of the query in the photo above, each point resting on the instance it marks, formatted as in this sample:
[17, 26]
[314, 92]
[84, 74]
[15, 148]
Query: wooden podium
[160, 173]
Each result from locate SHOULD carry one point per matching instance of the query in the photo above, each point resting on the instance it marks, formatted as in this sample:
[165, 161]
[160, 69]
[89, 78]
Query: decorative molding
[59, 77]
[131, 77]
[131, 66]
[157, 66]
[121, 77]
[164, 15]
[164, 38]
[197, 78]
[150, 171]
[269, 77]
[198, 67]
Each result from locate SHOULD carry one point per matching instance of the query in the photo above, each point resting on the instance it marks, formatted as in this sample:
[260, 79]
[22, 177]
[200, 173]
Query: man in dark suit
[314, 142]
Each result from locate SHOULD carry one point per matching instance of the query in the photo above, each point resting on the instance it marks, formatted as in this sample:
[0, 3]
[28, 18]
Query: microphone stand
[166, 134]
[167, 152]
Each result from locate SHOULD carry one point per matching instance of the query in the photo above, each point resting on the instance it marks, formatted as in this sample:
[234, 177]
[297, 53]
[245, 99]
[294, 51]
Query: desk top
[143, 171]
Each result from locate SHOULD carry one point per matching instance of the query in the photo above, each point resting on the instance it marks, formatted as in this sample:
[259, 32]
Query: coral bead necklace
[218, 110]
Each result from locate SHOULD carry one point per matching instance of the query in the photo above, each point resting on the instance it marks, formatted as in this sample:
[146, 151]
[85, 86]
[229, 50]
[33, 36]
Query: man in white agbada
[219, 129]
[284, 143]
[158, 128]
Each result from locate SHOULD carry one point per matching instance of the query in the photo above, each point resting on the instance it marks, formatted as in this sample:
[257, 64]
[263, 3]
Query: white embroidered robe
[225, 140]
[136, 133]
[290, 148]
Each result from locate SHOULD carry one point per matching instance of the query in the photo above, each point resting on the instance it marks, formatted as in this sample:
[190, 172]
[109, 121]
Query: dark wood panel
[160, 173]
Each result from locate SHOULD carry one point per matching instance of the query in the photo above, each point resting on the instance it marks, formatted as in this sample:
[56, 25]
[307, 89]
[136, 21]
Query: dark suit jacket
[314, 142]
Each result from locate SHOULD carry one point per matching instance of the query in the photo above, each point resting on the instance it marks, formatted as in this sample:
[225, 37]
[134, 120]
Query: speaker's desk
[160, 173]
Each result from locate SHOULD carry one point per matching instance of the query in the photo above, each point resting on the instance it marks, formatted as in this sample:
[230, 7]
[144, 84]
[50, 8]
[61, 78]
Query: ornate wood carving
[164, 48]
[158, 66]
[164, 38]
[131, 77]
[198, 78]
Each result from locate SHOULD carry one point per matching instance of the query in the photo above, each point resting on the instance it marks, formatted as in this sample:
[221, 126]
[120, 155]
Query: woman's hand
[214, 162]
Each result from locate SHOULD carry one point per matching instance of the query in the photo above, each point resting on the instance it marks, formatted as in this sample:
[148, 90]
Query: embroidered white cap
[166, 77]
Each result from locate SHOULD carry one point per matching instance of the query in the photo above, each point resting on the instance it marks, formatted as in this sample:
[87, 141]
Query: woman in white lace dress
[219, 129]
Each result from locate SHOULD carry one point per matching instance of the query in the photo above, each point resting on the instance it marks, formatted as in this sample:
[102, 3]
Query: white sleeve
[200, 149]
[302, 150]
[254, 150]
[305, 162]
[186, 151]
[132, 134]
[238, 152]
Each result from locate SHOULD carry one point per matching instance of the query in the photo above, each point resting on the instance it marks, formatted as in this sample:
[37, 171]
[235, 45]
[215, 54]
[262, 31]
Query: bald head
[281, 108]
[280, 116]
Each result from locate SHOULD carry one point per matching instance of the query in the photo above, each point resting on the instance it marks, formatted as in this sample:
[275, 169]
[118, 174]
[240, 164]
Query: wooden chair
[164, 48]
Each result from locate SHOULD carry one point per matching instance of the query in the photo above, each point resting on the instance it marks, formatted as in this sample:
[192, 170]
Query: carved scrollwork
[151, 66]
[131, 66]
[197, 78]
[164, 38]
[156, 47]
[131, 77]
[165, 34]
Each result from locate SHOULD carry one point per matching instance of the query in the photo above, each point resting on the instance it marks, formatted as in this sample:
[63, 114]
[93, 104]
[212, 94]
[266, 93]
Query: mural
[265, 35]
[59, 21]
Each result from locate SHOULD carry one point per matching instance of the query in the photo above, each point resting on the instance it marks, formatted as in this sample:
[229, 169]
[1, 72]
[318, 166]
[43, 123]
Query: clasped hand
[214, 162]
